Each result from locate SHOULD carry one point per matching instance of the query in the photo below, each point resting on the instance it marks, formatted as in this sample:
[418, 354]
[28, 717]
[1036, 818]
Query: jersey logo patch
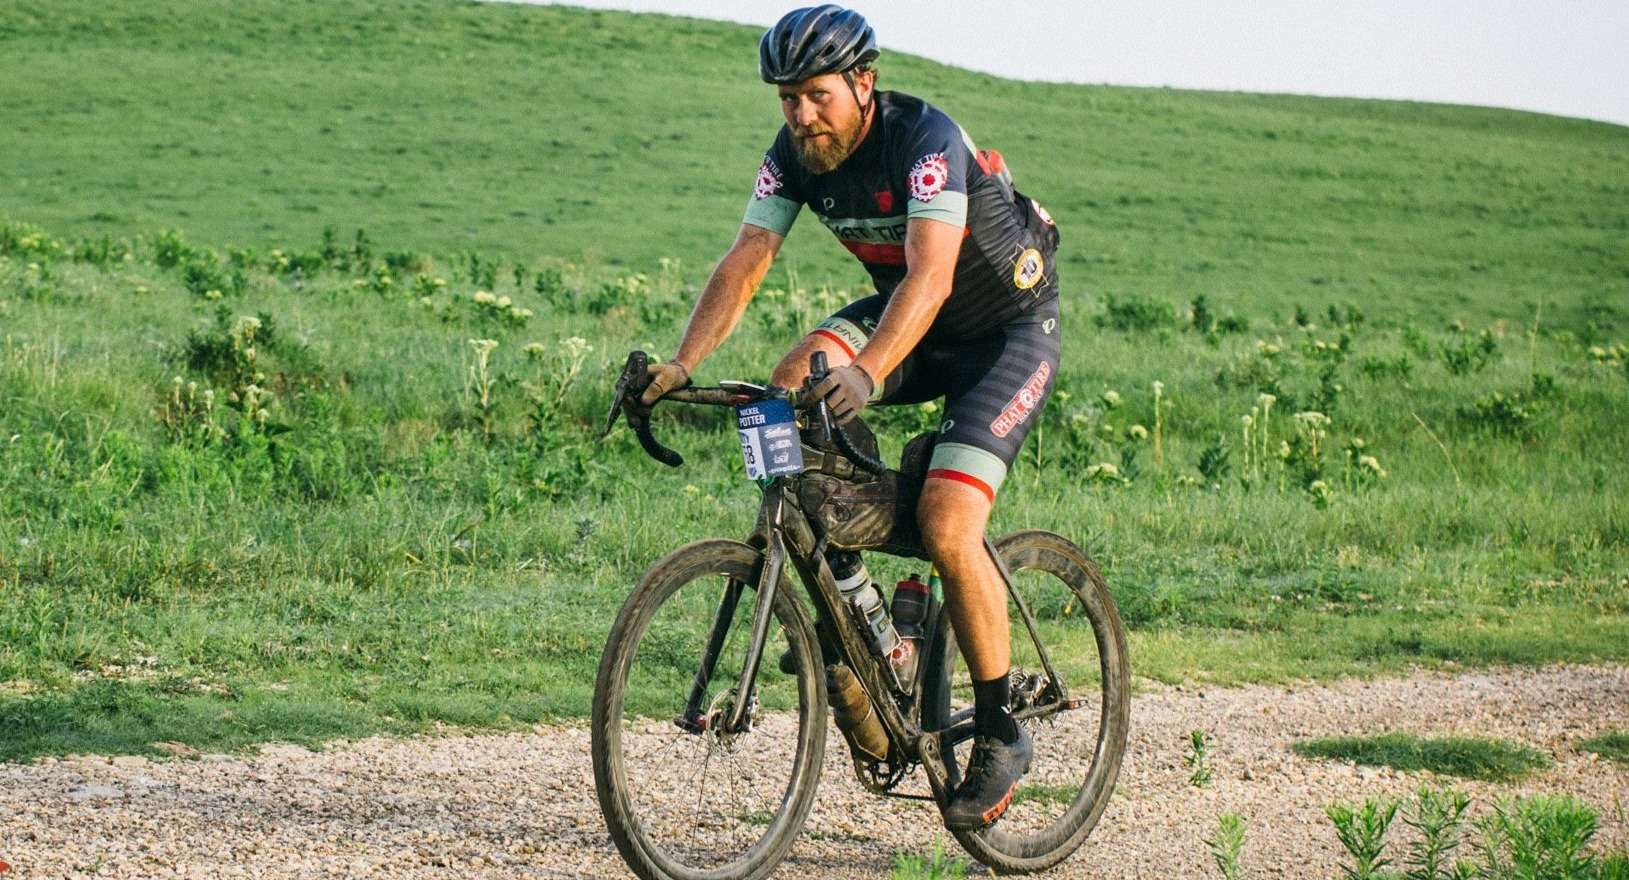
[769, 180]
[1028, 268]
[1023, 403]
[928, 176]
[885, 201]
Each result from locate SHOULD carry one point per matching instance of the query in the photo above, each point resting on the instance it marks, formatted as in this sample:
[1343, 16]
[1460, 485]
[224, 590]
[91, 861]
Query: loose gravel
[522, 805]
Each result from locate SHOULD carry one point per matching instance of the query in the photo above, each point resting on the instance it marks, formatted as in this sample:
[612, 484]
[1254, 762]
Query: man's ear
[865, 83]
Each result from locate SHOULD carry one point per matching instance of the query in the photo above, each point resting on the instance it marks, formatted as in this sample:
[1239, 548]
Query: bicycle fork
[769, 577]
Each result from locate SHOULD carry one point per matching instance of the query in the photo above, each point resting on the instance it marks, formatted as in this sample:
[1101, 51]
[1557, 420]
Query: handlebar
[626, 402]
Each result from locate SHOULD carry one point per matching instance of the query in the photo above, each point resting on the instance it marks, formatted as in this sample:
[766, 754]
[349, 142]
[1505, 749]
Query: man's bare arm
[931, 248]
[727, 293]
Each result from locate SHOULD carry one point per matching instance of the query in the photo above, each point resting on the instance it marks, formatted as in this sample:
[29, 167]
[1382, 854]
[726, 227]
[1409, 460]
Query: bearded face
[822, 150]
[824, 116]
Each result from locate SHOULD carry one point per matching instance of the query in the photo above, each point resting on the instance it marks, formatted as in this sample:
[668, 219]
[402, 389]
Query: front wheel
[1077, 751]
[692, 801]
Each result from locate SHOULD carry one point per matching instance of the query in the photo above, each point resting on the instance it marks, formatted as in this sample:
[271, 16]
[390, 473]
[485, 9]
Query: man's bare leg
[953, 515]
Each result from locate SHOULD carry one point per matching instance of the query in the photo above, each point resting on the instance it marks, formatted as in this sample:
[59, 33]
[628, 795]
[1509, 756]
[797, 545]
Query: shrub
[1470, 757]
[1134, 313]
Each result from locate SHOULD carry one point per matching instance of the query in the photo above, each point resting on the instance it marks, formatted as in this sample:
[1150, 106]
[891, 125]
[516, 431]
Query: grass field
[382, 550]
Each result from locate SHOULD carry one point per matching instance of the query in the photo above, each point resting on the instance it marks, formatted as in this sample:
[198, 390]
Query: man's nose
[804, 113]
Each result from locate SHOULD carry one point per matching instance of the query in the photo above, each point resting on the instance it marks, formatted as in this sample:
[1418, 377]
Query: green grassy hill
[373, 547]
[523, 131]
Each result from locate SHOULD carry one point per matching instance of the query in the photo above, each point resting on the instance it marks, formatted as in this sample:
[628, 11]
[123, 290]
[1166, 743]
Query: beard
[823, 154]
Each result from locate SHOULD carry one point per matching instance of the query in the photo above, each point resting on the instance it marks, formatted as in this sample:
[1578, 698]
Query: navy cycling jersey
[916, 162]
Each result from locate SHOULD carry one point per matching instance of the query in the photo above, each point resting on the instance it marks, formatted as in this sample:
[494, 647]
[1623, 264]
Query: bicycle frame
[785, 535]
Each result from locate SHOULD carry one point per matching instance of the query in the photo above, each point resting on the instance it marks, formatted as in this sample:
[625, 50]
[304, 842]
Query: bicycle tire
[632, 826]
[1003, 849]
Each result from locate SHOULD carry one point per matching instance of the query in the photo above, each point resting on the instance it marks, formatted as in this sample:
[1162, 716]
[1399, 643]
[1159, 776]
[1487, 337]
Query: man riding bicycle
[966, 309]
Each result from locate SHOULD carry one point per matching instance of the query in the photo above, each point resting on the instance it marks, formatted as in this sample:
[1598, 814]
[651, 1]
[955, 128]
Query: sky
[1567, 57]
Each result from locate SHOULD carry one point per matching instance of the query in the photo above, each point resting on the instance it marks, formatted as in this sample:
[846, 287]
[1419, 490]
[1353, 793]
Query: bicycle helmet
[815, 40]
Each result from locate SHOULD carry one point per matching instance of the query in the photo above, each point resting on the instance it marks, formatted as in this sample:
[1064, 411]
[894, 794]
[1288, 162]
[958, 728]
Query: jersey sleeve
[775, 198]
[938, 165]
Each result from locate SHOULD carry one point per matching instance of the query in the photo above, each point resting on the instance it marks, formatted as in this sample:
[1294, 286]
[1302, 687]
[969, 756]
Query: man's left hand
[845, 390]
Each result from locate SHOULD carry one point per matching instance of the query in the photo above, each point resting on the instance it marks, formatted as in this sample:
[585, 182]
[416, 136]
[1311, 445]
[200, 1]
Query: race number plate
[769, 438]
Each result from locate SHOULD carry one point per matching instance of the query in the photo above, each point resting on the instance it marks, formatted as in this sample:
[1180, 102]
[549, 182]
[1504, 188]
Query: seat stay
[1024, 614]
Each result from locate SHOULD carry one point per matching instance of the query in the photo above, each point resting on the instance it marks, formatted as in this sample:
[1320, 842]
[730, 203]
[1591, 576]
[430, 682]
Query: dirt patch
[522, 805]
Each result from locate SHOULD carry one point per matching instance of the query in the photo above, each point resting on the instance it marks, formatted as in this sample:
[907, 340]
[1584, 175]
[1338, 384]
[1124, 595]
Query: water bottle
[856, 718]
[910, 609]
[862, 597]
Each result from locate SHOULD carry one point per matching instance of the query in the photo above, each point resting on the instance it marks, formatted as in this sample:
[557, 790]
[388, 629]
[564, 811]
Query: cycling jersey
[916, 162]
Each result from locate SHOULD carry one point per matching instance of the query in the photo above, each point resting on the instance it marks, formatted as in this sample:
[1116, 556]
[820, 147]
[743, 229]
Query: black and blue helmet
[815, 40]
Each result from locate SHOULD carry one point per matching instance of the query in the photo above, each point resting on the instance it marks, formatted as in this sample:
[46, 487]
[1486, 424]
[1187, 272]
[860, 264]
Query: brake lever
[632, 371]
[833, 433]
[638, 414]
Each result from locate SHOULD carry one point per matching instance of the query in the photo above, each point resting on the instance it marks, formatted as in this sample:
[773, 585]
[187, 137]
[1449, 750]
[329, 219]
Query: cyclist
[966, 309]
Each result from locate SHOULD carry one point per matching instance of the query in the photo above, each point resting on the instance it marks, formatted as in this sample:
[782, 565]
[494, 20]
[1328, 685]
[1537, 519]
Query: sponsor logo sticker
[1042, 212]
[769, 180]
[1027, 269]
[1023, 403]
[928, 176]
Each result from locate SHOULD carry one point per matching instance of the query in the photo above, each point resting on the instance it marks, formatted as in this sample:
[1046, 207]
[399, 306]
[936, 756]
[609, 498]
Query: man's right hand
[662, 378]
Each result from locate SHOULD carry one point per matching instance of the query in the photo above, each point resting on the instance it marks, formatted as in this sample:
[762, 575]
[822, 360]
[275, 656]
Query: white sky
[1568, 57]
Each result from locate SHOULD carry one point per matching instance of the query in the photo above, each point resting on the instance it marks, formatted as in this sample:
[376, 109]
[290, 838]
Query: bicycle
[681, 689]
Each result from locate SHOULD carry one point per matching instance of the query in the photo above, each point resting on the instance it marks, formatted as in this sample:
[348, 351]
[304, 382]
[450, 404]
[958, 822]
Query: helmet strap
[865, 110]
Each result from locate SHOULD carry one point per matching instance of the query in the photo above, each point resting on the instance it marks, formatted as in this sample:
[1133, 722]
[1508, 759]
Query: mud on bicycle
[706, 757]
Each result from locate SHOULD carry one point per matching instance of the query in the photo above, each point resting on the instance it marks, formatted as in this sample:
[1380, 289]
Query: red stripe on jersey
[969, 479]
[868, 252]
[837, 339]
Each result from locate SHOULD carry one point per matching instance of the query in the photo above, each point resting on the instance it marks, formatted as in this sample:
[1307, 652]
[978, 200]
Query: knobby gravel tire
[1002, 850]
[704, 560]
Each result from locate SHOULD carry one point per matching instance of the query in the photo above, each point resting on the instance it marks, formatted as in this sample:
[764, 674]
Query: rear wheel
[1077, 751]
[693, 801]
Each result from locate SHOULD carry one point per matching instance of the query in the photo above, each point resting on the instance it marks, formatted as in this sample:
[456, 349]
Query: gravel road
[522, 805]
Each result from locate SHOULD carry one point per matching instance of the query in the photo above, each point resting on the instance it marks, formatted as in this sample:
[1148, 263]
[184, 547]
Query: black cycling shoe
[992, 778]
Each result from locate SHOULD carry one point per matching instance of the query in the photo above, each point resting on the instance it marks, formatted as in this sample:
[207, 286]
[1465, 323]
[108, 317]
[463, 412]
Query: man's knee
[951, 515]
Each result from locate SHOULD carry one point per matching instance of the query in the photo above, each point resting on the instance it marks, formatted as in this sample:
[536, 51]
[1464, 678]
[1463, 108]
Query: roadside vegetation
[1543, 836]
[1464, 756]
[298, 431]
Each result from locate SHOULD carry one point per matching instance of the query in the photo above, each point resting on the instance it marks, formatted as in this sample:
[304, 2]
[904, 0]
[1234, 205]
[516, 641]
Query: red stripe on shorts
[969, 479]
[837, 339]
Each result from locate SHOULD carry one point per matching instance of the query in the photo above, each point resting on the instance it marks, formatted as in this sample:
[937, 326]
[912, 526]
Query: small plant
[1613, 745]
[1400, 367]
[1539, 837]
[1362, 831]
[935, 865]
[1512, 415]
[1159, 420]
[1133, 314]
[1226, 845]
[1203, 321]
[1437, 816]
[1468, 356]
[480, 381]
[1213, 460]
[1468, 757]
[1198, 759]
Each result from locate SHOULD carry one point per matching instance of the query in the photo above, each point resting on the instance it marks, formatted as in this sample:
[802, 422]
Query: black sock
[991, 714]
